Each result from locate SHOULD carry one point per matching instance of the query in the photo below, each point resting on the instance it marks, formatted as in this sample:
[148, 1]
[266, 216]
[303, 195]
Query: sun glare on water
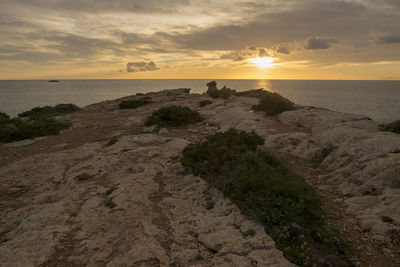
[263, 62]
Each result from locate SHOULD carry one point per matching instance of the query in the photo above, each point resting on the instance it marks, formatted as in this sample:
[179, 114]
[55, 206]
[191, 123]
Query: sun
[263, 62]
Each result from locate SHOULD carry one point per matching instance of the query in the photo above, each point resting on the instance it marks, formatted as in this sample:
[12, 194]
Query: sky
[219, 39]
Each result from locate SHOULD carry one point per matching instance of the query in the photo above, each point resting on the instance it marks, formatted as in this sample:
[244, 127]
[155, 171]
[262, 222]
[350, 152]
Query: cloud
[316, 42]
[384, 37]
[105, 6]
[283, 50]
[246, 53]
[141, 66]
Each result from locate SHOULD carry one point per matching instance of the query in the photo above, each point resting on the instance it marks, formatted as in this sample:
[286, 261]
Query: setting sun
[263, 62]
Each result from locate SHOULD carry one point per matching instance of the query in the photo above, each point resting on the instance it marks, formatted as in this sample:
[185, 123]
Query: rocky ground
[74, 199]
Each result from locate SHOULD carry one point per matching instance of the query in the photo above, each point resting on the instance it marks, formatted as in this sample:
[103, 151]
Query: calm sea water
[376, 99]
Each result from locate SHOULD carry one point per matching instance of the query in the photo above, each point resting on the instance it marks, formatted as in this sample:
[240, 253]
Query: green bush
[268, 192]
[48, 112]
[273, 104]
[204, 103]
[131, 104]
[3, 116]
[391, 127]
[224, 92]
[17, 129]
[173, 116]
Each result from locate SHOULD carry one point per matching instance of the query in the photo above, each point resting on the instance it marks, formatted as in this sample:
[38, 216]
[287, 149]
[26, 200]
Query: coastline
[359, 175]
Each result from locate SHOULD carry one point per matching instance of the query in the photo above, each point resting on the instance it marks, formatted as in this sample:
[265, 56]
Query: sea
[379, 100]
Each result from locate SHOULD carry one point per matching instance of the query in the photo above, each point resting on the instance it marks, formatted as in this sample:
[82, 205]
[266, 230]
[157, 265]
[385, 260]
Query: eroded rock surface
[76, 201]
[56, 209]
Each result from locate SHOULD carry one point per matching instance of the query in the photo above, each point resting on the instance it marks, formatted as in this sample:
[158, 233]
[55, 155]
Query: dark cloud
[283, 50]
[316, 42]
[297, 23]
[246, 53]
[385, 38]
[104, 6]
[141, 66]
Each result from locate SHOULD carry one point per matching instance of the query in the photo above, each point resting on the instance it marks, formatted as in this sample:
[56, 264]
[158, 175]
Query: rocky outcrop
[130, 203]
[126, 204]
[355, 159]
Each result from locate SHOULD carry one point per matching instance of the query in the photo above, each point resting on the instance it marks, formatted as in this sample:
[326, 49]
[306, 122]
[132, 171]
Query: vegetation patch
[131, 104]
[394, 235]
[391, 127]
[251, 232]
[173, 116]
[268, 192]
[17, 129]
[273, 104]
[3, 116]
[112, 141]
[109, 204]
[109, 191]
[224, 93]
[210, 205]
[325, 151]
[46, 112]
[387, 219]
[204, 103]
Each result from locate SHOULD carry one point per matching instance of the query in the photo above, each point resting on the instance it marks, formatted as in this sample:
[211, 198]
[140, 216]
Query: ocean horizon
[377, 99]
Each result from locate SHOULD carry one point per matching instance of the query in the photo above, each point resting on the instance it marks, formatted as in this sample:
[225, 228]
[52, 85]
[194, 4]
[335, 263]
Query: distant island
[54, 81]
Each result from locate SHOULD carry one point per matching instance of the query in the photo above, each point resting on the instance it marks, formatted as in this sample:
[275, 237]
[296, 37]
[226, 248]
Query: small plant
[391, 127]
[83, 177]
[387, 219]
[173, 116]
[204, 103]
[109, 204]
[131, 104]
[109, 191]
[210, 205]
[112, 141]
[251, 232]
[273, 104]
[394, 235]
[320, 156]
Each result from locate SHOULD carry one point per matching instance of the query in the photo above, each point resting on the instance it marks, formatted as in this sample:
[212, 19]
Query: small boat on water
[54, 81]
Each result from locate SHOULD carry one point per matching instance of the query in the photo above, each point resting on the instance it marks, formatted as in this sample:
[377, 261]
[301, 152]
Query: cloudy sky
[270, 39]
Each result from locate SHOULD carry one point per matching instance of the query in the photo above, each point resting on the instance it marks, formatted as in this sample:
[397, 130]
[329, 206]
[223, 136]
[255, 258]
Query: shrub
[273, 104]
[224, 92]
[131, 104]
[210, 205]
[204, 103]
[391, 127]
[3, 116]
[173, 116]
[49, 112]
[109, 204]
[266, 191]
[17, 129]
